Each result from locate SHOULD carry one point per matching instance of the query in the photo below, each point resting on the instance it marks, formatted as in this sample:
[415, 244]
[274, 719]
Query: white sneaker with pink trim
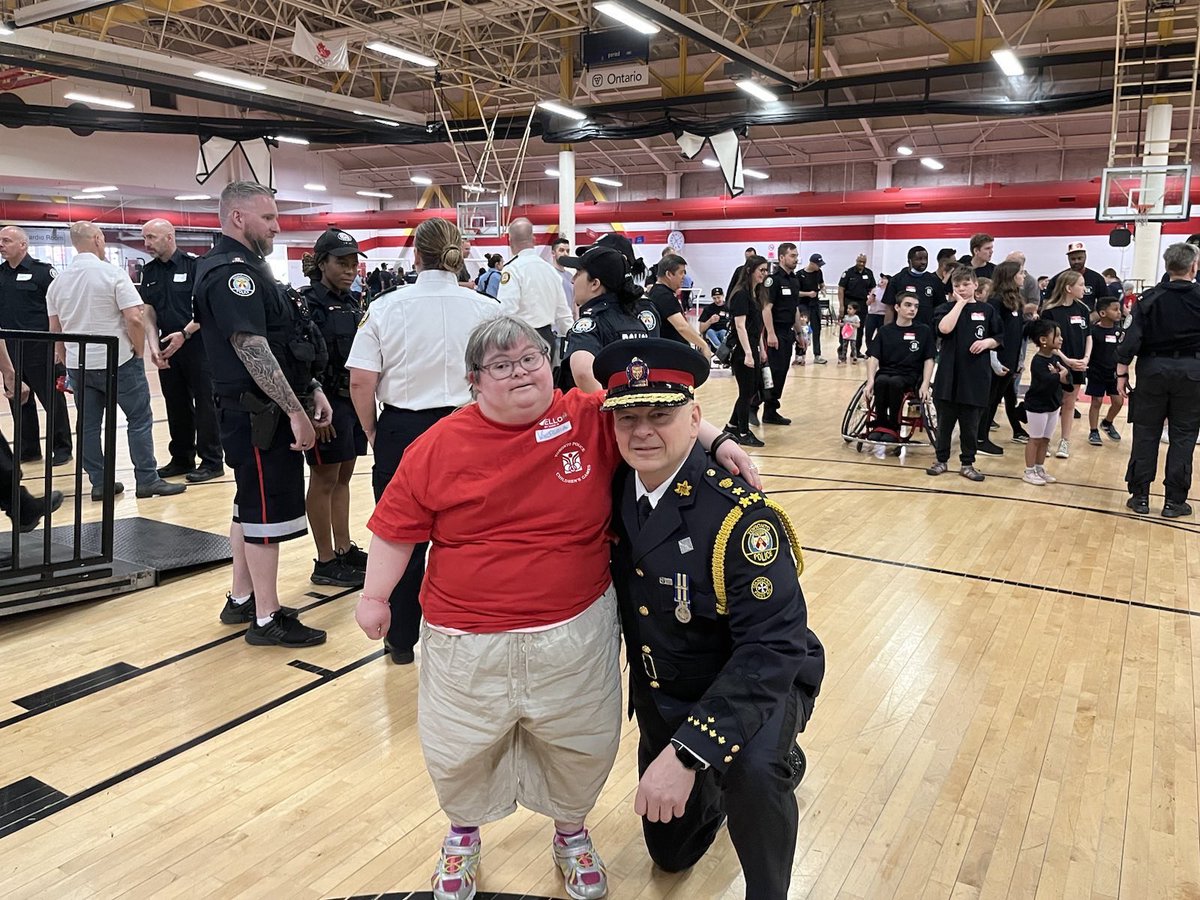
[457, 871]
[583, 870]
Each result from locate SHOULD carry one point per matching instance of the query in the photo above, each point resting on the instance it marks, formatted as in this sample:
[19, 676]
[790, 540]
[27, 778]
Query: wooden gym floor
[1009, 709]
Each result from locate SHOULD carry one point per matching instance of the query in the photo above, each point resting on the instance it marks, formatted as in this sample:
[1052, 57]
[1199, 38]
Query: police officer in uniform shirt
[930, 290]
[183, 371]
[855, 286]
[1094, 284]
[23, 284]
[899, 360]
[780, 320]
[1164, 335]
[264, 351]
[724, 670]
[531, 288]
[609, 311]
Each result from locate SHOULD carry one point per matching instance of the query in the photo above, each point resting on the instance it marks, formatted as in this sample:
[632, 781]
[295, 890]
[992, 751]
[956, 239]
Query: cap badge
[637, 373]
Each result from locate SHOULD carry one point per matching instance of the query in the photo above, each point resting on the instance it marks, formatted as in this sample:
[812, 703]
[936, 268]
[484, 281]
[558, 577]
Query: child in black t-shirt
[1043, 400]
[1104, 337]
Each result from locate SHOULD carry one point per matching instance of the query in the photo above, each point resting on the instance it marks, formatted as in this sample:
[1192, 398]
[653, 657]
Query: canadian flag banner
[329, 55]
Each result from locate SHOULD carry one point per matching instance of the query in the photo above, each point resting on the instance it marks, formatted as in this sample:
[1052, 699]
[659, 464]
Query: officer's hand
[302, 430]
[374, 617]
[736, 461]
[773, 341]
[160, 361]
[663, 791]
[171, 343]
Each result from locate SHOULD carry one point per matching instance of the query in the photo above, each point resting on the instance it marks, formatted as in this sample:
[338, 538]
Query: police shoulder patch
[760, 543]
[241, 284]
[769, 282]
[505, 277]
[584, 325]
[647, 318]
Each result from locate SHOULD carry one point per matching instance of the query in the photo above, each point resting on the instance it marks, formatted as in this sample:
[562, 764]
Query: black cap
[649, 372]
[817, 258]
[605, 264]
[335, 243]
[717, 290]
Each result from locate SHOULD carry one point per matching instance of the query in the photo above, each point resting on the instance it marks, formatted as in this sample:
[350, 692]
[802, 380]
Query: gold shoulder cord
[718, 559]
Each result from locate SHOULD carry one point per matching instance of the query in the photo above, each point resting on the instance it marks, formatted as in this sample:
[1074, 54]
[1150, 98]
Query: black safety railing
[33, 357]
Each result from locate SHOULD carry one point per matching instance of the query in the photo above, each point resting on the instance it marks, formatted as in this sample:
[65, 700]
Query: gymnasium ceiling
[501, 56]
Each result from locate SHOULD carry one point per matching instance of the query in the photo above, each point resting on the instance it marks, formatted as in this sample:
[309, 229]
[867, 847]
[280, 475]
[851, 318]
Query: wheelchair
[918, 423]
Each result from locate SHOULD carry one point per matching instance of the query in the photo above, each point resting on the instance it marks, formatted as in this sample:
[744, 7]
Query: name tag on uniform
[1110, 339]
[180, 277]
[549, 434]
[910, 335]
[787, 292]
[1076, 320]
[864, 278]
[978, 316]
[1014, 312]
[24, 276]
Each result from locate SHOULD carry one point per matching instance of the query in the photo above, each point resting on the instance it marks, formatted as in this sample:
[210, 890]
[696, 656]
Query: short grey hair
[500, 333]
[237, 193]
[1179, 258]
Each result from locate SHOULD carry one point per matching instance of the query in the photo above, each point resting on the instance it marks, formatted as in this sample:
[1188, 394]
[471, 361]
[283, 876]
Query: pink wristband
[384, 600]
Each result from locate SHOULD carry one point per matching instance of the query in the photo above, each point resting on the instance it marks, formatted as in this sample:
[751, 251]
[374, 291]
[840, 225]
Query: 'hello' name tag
[978, 317]
[180, 277]
[24, 276]
[787, 292]
[549, 434]
[1110, 339]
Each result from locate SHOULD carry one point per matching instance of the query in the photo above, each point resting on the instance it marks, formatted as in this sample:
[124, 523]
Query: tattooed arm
[255, 354]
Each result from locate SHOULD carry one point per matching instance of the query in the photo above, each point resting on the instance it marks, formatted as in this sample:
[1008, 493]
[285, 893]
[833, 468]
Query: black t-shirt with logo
[1045, 393]
[1094, 287]
[902, 350]
[810, 281]
[1105, 342]
[713, 310]
[1072, 321]
[965, 377]
[857, 285]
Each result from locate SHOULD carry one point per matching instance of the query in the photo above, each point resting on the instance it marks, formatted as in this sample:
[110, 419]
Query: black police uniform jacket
[718, 543]
[337, 317]
[602, 321]
[23, 294]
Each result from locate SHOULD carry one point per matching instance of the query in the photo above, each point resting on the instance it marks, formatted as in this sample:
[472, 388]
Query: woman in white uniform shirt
[408, 357]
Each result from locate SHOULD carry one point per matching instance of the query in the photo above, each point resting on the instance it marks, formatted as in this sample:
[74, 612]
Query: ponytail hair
[310, 267]
[438, 244]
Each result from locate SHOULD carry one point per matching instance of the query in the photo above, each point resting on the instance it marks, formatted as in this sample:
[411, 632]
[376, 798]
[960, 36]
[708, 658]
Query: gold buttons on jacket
[640, 573]
[645, 648]
[729, 759]
[654, 684]
[735, 748]
[643, 611]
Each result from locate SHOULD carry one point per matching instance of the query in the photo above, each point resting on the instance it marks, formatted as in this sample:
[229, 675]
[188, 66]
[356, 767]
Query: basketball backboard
[478, 218]
[1145, 194]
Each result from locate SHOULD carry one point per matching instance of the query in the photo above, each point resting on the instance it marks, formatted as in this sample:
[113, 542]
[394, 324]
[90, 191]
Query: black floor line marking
[309, 667]
[170, 660]
[190, 744]
[24, 798]
[76, 688]
[1005, 581]
[910, 488]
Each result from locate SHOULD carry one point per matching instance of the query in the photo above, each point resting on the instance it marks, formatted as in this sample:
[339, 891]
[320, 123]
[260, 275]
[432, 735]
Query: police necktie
[643, 511]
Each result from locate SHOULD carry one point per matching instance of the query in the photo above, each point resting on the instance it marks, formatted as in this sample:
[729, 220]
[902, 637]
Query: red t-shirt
[517, 514]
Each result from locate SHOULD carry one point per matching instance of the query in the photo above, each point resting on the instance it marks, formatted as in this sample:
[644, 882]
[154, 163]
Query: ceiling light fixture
[388, 122]
[421, 179]
[930, 163]
[88, 197]
[99, 190]
[711, 163]
[474, 188]
[559, 110]
[904, 150]
[229, 80]
[553, 173]
[284, 139]
[314, 187]
[97, 101]
[754, 173]
[401, 53]
[1008, 62]
[620, 14]
[757, 91]
[609, 182]
[379, 194]
[193, 197]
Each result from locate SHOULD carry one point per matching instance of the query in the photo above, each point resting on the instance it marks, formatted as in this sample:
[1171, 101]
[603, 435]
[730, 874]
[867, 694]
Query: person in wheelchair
[899, 360]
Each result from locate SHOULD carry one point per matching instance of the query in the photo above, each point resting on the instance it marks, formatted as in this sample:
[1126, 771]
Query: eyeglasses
[530, 362]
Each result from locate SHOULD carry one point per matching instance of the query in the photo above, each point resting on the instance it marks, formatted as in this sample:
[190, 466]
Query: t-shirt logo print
[979, 332]
[570, 460]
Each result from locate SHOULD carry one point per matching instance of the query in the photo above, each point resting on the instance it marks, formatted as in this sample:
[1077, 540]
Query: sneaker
[98, 490]
[1046, 476]
[583, 870]
[938, 468]
[993, 425]
[1140, 504]
[775, 419]
[1094, 438]
[987, 448]
[176, 467]
[754, 417]
[284, 630]
[61, 457]
[1064, 450]
[821, 361]
[1021, 438]
[160, 488]
[854, 360]
[1031, 476]
[243, 613]
[880, 451]
[971, 473]
[457, 872]
[1110, 430]
[337, 573]
[1174, 509]
[204, 473]
[749, 439]
[355, 557]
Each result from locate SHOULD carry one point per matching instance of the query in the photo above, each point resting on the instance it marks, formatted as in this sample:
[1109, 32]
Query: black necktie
[643, 510]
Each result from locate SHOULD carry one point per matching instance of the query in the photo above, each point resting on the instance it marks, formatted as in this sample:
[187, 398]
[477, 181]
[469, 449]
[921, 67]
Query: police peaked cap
[649, 372]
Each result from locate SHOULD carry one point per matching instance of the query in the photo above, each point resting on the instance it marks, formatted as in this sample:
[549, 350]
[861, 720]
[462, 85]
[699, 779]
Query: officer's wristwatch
[687, 758]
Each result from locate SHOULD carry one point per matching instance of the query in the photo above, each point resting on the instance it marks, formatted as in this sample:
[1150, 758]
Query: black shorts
[1101, 384]
[1077, 378]
[350, 441]
[269, 502]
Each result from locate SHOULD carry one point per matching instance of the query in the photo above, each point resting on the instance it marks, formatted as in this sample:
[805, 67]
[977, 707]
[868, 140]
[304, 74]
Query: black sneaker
[399, 657]
[971, 473]
[242, 613]
[1174, 509]
[754, 417]
[61, 457]
[1110, 429]
[1094, 438]
[1140, 504]
[987, 448]
[337, 573]
[284, 630]
[993, 425]
[749, 440]
[1021, 438]
[32, 509]
[355, 557]
[175, 467]
[775, 419]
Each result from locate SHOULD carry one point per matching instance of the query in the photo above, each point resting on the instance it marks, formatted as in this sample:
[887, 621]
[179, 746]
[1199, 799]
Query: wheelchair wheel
[854, 423]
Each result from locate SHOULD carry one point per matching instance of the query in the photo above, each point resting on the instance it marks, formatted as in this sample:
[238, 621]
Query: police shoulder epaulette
[744, 499]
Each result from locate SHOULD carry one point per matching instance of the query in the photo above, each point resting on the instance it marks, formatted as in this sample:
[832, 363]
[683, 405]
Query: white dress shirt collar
[656, 494]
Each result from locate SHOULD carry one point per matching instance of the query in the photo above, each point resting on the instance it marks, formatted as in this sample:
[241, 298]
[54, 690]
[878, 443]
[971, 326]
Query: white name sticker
[1110, 339]
[549, 434]
[787, 292]
[1076, 320]
[910, 335]
[180, 277]
[24, 276]
[978, 317]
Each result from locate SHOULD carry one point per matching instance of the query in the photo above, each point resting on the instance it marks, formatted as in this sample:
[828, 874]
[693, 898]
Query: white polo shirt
[416, 339]
[88, 298]
[532, 290]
